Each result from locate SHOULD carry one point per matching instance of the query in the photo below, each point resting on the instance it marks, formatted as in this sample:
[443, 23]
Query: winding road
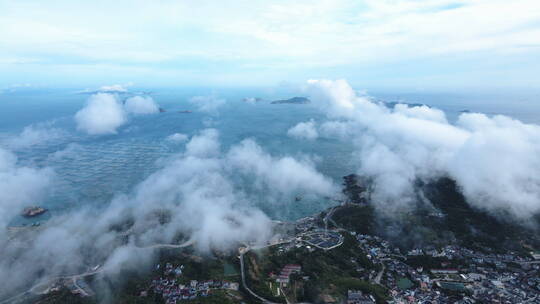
[242, 251]
[43, 286]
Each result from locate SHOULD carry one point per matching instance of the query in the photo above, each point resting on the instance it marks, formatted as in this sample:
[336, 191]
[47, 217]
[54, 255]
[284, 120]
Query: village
[475, 276]
[450, 274]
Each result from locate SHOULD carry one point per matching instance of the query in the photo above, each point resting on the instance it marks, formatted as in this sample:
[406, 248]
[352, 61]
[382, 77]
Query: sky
[430, 44]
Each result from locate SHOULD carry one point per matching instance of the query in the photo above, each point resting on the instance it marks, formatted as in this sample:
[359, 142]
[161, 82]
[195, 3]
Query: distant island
[294, 100]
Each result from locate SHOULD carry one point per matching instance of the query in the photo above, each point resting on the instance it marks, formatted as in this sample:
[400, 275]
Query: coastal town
[451, 274]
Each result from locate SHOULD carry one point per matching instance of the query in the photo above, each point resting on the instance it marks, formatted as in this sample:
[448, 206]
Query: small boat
[33, 211]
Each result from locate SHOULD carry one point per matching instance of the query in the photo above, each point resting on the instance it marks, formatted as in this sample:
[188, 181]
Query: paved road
[379, 275]
[244, 250]
[185, 244]
[328, 217]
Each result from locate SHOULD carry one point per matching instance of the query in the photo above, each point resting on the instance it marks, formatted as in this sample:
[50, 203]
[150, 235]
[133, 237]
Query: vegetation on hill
[441, 216]
[474, 226]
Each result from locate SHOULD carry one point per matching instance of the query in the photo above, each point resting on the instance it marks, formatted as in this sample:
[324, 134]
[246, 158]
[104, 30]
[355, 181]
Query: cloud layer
[493, 159]
[277, 38]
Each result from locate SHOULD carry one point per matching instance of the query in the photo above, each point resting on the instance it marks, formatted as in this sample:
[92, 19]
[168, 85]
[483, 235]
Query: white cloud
[19, 187]
[70, 150]
[285, 175]
[204, 145]
[141, 105]
[304, 130]
[276, 35]
[421, 112]
[494, 160]
[103, 114]
[208, 207]
[115, 88]
[35, 135]
[336, 129]
[177, 137]
[208, 104]
[315, 30]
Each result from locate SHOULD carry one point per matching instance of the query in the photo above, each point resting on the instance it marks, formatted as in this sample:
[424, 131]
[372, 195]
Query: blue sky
[401, 44]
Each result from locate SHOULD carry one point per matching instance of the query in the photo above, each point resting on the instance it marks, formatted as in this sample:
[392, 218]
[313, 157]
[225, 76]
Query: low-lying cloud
[495, 160]
[103, 114]
[141, 105]
[304, 130]
[285, 175]
[209, 104]
[115, 88]
[20, 186]
[35, 135]
[177, 138]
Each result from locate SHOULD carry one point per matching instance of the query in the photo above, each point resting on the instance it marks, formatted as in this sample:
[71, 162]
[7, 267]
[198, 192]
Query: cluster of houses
[172, 290]
[358, 297]
[284, 276]
[479, 277]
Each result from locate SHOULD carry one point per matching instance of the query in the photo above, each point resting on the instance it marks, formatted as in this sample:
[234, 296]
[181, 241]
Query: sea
[103, 166]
